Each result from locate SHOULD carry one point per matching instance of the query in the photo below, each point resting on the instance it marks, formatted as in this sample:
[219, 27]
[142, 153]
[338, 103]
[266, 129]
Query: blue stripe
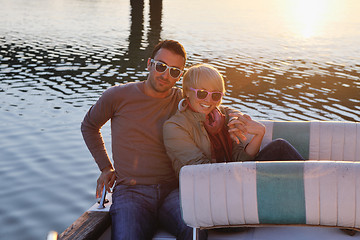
[280, 192]
[296, 133]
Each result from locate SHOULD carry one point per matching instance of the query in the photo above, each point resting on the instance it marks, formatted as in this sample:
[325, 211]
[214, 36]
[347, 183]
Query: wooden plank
[88, 226]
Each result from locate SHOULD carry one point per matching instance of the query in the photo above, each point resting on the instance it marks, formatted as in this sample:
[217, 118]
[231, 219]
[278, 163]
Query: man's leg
[133, 212]
[278, 149]
[170, 218]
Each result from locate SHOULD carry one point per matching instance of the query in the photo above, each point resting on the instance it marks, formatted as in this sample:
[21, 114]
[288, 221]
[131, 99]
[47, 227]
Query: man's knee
[133, 215]
[131, 225]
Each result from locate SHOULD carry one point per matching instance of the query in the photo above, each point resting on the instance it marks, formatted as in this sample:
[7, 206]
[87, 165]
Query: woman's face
[207, 104]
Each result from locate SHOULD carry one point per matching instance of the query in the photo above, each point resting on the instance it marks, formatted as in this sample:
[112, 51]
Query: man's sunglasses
[162, 67]
[202, 94]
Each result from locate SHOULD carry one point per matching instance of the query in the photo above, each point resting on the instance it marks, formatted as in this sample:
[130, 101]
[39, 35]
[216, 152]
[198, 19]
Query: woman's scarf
[221, 143]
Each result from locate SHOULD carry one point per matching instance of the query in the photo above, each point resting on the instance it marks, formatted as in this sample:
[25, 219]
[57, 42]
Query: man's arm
[90, 128]
[93, 121]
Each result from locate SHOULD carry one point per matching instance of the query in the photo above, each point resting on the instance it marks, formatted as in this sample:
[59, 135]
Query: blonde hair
[200, 73]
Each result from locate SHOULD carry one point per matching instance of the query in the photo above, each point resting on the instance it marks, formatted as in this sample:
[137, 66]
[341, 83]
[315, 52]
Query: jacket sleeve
[181, 147]
[239, 154]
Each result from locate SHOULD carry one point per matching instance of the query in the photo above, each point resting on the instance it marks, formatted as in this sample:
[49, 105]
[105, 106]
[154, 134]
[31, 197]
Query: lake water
[282, 60]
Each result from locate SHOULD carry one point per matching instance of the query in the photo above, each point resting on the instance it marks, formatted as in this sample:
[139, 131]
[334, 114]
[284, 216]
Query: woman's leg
[278, 149]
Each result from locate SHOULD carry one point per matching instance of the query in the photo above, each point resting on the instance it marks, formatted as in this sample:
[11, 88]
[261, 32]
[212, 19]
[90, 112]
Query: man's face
[161, 83]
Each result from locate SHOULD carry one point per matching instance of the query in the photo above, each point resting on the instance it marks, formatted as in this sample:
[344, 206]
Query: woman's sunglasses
[162, 67]
[202, 94]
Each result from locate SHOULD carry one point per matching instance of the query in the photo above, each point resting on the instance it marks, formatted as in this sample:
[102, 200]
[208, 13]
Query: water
[57, 57]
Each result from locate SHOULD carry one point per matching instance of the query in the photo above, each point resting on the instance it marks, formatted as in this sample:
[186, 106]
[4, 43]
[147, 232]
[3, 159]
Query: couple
[148, 154]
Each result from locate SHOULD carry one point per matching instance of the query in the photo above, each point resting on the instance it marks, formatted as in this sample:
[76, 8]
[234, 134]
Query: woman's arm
[181, 147]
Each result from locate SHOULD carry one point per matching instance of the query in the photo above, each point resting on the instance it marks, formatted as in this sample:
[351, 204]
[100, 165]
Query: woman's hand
[246, 125]
[236, 128]
[242, 124]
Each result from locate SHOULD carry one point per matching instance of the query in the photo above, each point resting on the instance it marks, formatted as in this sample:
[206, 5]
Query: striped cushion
[246, 193]
[318, 140]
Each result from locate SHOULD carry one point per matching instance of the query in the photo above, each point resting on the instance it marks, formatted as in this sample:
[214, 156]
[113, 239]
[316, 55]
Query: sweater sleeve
[94, 119]
[181, 148]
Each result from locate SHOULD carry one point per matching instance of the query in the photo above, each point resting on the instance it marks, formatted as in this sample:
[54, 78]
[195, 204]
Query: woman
[198, 132]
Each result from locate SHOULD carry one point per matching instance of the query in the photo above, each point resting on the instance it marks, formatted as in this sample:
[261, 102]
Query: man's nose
[166, 74]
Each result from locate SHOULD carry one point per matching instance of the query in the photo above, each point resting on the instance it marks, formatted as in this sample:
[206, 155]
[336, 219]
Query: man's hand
[107, 177]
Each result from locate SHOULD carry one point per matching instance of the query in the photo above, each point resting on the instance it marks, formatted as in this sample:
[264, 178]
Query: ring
[233, 118]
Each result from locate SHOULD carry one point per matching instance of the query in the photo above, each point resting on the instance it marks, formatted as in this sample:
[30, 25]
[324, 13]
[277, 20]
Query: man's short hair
[171, 45]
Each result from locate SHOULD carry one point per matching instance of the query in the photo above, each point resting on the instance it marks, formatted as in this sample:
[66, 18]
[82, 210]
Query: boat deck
[253, 233]
[268, 233]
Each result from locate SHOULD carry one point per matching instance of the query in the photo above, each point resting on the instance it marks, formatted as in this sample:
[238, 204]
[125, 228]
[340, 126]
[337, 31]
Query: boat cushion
[318, 140]
[279, 192]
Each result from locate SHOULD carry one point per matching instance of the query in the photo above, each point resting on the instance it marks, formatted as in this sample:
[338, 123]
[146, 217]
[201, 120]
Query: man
[146, 190]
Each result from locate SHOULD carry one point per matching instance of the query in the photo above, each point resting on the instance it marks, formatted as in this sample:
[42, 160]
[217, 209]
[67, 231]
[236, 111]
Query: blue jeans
[278, 149]
[138, 210]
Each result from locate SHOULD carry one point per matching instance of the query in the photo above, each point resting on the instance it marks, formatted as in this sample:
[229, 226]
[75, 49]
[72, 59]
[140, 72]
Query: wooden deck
[90, 225]
[95, 224]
